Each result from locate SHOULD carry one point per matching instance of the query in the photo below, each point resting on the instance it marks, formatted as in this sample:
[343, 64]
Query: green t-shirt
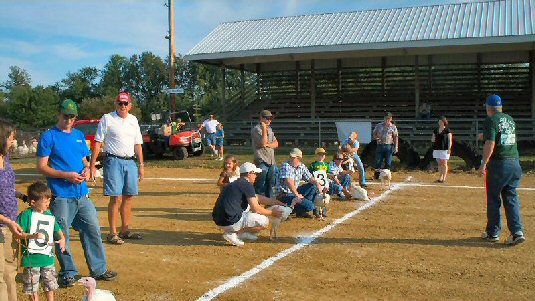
[501, 129]
[316, 165]
[29, 259]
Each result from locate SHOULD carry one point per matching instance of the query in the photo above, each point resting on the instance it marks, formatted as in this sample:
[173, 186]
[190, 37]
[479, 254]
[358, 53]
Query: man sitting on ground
[230, 210]
[291, 173]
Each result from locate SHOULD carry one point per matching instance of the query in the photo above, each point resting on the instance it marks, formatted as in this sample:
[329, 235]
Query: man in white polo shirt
[210, 125]
[122, 136]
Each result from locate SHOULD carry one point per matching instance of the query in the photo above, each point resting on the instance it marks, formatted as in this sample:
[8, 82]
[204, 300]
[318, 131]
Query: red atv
[181, 143]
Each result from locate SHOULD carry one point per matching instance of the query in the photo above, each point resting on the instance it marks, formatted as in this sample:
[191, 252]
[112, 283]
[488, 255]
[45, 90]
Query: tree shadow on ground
[471, 242]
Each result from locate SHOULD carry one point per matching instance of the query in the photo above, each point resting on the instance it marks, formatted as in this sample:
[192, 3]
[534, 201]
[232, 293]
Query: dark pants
[384, 152]
[503, 177]
[265, 181]
[309, 192]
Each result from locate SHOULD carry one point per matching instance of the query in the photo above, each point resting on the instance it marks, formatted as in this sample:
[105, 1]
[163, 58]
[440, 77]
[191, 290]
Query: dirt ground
[418, 243]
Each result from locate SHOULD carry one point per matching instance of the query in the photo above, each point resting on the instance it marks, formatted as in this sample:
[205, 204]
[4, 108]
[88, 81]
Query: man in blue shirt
[61, 157]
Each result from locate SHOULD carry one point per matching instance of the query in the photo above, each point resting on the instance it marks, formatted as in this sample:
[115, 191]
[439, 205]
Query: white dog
[386, 176]
[321, 201]
[276, 221]
[358, 192]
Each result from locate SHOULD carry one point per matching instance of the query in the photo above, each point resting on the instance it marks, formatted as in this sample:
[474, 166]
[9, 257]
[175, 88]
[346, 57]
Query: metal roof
[503, 21]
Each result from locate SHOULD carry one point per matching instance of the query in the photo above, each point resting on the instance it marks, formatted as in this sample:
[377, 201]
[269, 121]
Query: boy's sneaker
[515, 239]
[66, 282]
[106, 276]
[232, 237]
[247, 236]
[489, 238]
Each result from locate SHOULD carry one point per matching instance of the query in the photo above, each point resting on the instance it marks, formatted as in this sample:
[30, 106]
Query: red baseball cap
[124, 96]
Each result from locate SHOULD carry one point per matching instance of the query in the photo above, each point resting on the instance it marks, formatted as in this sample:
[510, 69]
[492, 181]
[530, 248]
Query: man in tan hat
[291, 173]
[264, 144]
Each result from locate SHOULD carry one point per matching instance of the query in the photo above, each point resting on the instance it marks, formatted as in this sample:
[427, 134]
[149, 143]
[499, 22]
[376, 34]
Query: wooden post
[297, 80]
[429, 76]
[258, 82]
[383, 76]
[312, 89]
[339, 80]
[223, 90]
[171, 36]
[242, 77]
[477, 101]
[416, 85]
[532, 81]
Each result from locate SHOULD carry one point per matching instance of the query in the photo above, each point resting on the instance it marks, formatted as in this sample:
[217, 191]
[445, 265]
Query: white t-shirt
[210, 125]
[119, 134]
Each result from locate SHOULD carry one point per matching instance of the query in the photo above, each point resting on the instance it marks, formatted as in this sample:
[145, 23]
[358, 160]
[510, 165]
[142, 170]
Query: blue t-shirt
[355, 143]
[220, 134]
[232, 201]
[65, 152]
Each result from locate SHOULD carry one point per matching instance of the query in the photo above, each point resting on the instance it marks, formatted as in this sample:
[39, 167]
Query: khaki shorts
[247, 220]
[32, 276]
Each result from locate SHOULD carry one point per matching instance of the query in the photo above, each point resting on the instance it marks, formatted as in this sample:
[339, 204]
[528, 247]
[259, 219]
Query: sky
[53, 37]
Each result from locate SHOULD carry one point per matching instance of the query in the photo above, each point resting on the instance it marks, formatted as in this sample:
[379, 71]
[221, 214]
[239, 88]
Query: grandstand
[312, 70]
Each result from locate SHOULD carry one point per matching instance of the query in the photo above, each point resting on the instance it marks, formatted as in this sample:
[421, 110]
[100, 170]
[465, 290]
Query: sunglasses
[122, 103]
[69, 116]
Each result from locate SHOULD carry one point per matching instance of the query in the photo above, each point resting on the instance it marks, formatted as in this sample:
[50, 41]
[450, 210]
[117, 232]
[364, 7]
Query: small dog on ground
[321, 202]
[358, 192]
[276, 221]
[386, 176]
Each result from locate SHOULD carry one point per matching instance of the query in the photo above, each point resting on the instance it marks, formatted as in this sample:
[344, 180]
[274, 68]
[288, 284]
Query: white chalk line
[304, 241]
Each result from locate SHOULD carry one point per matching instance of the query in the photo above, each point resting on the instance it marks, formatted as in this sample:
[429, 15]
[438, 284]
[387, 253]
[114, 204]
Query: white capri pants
[441, 154]
[247, 220]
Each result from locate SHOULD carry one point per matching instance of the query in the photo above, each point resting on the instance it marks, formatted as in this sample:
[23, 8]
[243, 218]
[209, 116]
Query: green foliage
[17, 77]
[81, 84]
[95, 107]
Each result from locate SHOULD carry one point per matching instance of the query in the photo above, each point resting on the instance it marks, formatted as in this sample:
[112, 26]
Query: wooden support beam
[416, 85]
[223, 93]
[383, 76]
[339, 80]
[429, 76]
[312, 89]
[532, 81]
[242, 78]
[258, 82]
[297, 79]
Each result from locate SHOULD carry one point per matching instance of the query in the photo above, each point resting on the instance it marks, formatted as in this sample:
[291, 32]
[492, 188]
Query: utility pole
[171, 37]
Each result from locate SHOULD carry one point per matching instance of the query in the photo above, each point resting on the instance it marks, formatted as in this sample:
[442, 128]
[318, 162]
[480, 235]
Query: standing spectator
[220, 140]
[264, 144]
[442, 143]
[210, 125]
[424, 111]
[341, 179]
[230, 212]
[354, 145]
[386, 135]
[501, 165]
[9, 208]
[291, 173]
[120, 133]
[61, 157]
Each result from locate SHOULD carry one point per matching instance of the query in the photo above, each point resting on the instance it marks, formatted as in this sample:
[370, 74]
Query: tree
[17, 77]
[113, 75]
[95, 107]
[81, 84]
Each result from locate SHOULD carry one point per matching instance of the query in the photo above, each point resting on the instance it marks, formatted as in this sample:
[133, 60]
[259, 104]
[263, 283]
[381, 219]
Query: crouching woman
[231, 210]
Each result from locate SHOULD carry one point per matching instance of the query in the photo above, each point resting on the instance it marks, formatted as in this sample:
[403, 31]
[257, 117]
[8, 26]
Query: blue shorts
[120, 177]
[210, 138]
[219, 141]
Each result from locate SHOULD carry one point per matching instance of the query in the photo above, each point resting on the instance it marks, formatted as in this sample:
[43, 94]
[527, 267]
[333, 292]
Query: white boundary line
[305, 241]
[370, 183]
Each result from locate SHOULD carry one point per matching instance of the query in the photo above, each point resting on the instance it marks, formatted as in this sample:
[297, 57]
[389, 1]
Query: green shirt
[316, 165]
[501, 129]
[35, 260]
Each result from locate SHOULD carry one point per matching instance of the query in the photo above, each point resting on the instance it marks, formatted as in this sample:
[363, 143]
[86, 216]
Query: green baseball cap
[68, 107]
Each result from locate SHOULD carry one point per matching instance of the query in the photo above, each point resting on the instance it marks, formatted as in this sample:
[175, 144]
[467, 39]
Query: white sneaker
[488, 238]
[232, 237]
[515, 239]
[247, 236]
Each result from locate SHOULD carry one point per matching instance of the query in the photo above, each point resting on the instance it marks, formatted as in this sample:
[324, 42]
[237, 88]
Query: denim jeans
[503, 177]
[82, 215]
[309, 192]
[361, 169]
[265, 181]
[384, 152]
[335, 188]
